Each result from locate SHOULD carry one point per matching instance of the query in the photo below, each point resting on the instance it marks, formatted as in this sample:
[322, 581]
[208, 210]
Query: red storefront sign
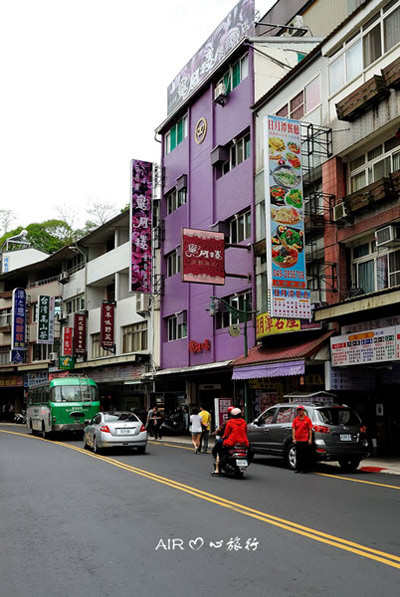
[67, 341]
[107, 325]
[203, 256]
[199, 346]
[79, 334]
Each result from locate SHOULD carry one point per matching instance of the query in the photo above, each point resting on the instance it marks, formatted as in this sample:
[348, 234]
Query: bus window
[77, 393]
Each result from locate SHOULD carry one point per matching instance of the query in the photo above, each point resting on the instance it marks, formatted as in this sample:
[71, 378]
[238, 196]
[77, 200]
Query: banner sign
[67, 341]
[45, 321]
[221, 406]
[10, 381]
[203, 256]
[268, 326]
[373, 346]
[237, 25]
[66, 362]
[291, 303]
[35, 379]
[284, 211]
[18, 320]
[79, 334]
[141, 226]
[107, 325]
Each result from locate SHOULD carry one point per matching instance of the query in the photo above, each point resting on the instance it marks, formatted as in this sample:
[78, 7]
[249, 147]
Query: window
[176, 330]
[97, 350]
[285, 415]
[240, 228]
[5, 355]
[75, 304]
[377, 36]
[134, 337]
[175, 199]
[224, 317]
[5, 317]
[173, 263]
[176, 134]
[305, 101]
[235, 74]
[374, 270]
[377, 163]
[238, 150]
[41, 352]
[268, 416]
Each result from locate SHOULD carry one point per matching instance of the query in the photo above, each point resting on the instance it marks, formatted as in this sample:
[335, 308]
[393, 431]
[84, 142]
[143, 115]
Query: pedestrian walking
[158, 418]
[302, 438]
[206, 428]
[196, 429]
[150, 420]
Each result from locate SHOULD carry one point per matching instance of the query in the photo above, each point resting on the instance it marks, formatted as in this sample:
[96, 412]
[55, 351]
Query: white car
[115, 429]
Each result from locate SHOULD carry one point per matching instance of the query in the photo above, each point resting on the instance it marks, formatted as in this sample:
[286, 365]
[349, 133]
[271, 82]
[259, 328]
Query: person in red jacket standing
[302, 437]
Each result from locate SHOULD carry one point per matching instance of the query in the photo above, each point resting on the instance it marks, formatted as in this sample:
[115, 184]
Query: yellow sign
[268, 326]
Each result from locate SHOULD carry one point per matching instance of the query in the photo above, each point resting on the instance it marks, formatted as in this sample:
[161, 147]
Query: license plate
[125, 431]
[241, 463]
[345, 437]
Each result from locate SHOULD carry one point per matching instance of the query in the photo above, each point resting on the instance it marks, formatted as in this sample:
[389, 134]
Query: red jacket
[235, 432]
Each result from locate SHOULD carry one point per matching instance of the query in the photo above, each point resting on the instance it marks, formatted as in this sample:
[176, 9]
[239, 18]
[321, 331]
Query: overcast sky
[84, 86]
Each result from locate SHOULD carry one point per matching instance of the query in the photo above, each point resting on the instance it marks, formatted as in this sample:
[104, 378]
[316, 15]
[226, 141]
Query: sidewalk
[390, 466]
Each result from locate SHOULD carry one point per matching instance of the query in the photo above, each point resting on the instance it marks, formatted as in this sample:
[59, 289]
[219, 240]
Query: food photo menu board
[285, 217]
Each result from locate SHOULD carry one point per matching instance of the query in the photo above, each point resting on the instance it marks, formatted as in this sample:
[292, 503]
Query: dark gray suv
[338, 434]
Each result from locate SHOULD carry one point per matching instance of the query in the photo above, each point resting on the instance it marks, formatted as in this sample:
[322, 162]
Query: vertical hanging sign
[45, 321]
[141, 226]
[18, 321]
[79, 334]
[284, 209]
[107, 325]
[67, 342]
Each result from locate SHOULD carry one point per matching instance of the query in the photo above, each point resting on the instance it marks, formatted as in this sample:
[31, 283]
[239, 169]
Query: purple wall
[209, 200]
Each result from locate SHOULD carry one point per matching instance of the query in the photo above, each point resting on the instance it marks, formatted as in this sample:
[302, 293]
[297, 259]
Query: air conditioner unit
[53, 356]
[389, 235]
[62, 316]
[143, 304]
[298, 28]
[220, 94]
[63, 277]
[339, 211]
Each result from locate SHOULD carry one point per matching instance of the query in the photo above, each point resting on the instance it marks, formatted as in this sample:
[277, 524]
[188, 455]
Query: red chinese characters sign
[199, 346]
[203, 256]
[107, 325]
[67, 341]
[79, 334]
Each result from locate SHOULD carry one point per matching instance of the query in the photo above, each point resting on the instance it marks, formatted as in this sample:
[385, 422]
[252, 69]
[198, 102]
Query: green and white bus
[62, 404]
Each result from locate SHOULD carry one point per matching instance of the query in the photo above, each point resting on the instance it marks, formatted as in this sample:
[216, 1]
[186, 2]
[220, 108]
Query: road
[77, 524]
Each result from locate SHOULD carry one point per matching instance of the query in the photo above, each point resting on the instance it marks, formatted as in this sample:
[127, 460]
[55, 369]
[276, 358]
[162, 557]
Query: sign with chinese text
[107, 325]
[268, 326]
[199, 346]
[79, 334]
[141, 226]
[203, 256]
[67, 341]
[284, 209]
[237, 25]
[18, 320]
[10, 381]
[66, 362]
[295, 304]
[45, 321]
[221, 406]
[373, 346]
[35, 379]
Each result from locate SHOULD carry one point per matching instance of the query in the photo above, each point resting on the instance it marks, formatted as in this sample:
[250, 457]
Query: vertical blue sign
[18, 329]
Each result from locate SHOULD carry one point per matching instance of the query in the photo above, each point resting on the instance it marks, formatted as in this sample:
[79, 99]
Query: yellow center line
[338, 542]
[358, 481]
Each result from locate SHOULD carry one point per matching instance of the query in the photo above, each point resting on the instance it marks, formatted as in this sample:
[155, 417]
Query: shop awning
[277, 361]
[270, 370]
[173, 371]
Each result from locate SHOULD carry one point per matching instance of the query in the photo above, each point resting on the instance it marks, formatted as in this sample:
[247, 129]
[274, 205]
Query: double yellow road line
[304, 531]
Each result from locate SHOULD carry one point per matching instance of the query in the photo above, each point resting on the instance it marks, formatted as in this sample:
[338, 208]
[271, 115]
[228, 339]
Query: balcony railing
[391, 74]
[380, 190]
[362, 99]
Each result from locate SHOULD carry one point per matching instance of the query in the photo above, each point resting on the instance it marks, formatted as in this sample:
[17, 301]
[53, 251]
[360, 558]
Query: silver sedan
[115, 429]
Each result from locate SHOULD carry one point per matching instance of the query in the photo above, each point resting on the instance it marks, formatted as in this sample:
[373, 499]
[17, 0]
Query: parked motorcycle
[235, 461]
[20, 418]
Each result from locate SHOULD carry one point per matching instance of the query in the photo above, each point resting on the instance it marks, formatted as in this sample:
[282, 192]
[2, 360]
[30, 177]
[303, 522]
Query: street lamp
[242, 315]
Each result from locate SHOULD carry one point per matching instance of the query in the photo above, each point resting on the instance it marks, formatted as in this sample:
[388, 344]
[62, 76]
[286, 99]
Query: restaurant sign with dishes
[284, 211]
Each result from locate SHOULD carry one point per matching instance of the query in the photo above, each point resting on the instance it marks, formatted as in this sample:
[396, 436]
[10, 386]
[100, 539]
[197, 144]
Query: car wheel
[33, 431]
[96, 449]
[45, 434]
[291, 457]
[238, 474]
[141, 449]
[349, 465]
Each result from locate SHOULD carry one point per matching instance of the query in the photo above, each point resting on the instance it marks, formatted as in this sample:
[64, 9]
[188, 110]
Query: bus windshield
[79, 393]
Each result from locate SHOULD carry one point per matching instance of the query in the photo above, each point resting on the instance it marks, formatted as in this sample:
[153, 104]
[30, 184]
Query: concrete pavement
[372, 464]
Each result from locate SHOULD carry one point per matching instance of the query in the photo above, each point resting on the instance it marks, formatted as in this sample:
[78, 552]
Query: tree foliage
[48, 236]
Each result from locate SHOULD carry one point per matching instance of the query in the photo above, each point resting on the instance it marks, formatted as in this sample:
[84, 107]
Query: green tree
[48, 236]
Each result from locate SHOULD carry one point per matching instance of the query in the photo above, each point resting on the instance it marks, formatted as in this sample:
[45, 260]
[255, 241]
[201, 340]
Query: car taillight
[363, 429]
[105, 429]
[143, 428]
[321, 429]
